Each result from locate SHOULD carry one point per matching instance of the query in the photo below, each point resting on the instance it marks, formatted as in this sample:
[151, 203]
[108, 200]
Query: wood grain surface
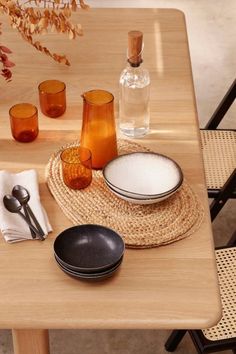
[169, 287]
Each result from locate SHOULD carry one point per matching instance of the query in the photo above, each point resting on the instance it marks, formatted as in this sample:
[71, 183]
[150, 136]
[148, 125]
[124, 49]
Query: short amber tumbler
[76, 167]
[52, 98]
[98, 128]
[24, 122]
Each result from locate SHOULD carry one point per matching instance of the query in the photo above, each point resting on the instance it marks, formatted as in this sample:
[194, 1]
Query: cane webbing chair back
[226, 267]
[219, 155]
[223, 335]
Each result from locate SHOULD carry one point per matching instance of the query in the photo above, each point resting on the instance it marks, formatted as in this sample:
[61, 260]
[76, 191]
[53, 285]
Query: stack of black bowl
[90, 252]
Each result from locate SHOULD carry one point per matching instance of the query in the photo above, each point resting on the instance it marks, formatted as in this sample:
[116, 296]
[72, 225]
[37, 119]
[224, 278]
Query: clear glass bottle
[134, 115]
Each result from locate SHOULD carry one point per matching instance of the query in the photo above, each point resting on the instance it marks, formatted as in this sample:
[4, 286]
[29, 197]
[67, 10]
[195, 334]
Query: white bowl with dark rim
[141, 201]
[143, 176]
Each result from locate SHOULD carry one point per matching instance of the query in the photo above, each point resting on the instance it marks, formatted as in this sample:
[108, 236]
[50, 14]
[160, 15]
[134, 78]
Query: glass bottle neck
[134, 65]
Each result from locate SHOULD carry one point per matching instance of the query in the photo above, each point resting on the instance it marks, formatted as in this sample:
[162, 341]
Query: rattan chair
[223, 335]
[219, 155]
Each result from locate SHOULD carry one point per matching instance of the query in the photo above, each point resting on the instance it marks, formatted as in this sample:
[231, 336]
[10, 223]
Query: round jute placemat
[141, 226]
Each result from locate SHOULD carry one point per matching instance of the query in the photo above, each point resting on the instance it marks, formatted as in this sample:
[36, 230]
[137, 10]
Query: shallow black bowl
[87, 271]
[90, 276]
[88, 248]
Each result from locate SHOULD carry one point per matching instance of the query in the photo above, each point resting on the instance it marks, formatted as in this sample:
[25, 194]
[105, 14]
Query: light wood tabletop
[169, 287]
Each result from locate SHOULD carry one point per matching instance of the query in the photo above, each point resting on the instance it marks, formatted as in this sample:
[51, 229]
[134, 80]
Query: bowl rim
[100, 268]
[86, 270]
[145, 199]
[146, 196]
[89, 275]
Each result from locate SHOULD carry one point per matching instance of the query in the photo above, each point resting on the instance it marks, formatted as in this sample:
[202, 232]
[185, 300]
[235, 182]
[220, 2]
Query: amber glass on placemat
[76, 163]
[141, 226]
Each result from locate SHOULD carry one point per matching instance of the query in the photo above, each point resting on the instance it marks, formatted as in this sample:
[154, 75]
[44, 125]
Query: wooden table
[161, 288]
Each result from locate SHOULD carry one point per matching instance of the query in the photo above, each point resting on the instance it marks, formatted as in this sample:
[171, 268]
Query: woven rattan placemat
[141, 226]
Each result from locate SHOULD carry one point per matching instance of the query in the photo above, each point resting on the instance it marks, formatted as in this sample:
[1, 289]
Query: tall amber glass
[98, 128]
[52, 98]
[24, 122]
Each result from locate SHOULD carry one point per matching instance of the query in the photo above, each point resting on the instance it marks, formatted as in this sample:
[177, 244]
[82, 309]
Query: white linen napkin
[12, 226]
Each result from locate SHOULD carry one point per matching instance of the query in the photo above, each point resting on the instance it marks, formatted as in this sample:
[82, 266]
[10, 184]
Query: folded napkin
[12, 226]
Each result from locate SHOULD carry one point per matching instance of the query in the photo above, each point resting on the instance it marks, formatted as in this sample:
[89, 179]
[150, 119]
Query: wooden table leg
[30, 341]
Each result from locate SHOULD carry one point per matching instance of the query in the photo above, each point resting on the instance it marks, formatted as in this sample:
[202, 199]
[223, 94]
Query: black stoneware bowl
[88, 248]
[89, 272]
[100, 275]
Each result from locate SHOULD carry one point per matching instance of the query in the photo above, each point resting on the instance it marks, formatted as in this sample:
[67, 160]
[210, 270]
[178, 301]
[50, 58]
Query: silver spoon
[22, 194]
[13, 205]
[18, 195]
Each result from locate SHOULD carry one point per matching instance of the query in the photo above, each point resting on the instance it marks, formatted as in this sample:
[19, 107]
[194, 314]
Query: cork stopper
[135, 44]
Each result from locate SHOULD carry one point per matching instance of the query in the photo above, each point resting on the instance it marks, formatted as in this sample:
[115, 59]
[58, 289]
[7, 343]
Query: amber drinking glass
[52, 98]
[76, 167]
[24, 122]
[98, 128]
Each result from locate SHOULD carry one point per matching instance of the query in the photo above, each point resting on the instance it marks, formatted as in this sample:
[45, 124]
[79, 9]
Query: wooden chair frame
[201, 343]
[220, 197]
[228, 191]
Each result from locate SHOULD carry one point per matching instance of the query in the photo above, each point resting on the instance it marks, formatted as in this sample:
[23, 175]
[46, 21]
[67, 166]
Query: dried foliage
[6, 63]
[36, 17]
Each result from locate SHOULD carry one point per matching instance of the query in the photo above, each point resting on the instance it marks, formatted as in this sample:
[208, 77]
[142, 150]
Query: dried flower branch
[6, 63]
[45, 16]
